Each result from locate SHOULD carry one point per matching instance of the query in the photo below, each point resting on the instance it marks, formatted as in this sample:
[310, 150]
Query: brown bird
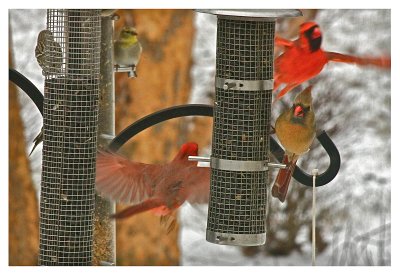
[295, 129]
[160, 188]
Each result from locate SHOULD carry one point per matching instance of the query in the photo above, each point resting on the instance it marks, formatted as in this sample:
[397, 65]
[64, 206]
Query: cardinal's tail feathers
[281, 185]
[138, 208]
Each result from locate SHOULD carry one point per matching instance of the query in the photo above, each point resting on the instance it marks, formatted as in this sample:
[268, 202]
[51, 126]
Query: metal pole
[104, 229]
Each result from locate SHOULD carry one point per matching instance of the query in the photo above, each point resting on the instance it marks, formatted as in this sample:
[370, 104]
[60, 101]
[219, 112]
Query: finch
[161, 188]
[304, 59]
[46, 44]
[295, 129]
[127, 49]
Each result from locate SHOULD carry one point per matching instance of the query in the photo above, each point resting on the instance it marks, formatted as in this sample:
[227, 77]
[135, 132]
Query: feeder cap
[253, 14]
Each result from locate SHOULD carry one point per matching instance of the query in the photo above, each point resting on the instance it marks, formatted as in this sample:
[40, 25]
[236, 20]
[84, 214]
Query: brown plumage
[295, 129]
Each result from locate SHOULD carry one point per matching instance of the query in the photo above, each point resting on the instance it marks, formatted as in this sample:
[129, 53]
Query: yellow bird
[127, 49]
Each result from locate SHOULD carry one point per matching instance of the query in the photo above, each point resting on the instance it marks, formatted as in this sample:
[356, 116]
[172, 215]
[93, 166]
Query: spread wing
[383, 62]
[122, 180]
[197, 187]
[279, 41]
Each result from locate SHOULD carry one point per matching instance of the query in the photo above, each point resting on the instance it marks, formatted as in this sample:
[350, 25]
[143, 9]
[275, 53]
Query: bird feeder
[70, 118]
[242, 111]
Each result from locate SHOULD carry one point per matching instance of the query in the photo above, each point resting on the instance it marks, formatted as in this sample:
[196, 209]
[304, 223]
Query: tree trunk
[23, 226]
[163, 81]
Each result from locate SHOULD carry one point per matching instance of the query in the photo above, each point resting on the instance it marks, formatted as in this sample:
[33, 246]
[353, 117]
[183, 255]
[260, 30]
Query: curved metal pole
[28, 87]
[196, 110]
[207, 110]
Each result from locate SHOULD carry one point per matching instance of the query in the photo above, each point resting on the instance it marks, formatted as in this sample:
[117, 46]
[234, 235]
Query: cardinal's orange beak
[298, 111]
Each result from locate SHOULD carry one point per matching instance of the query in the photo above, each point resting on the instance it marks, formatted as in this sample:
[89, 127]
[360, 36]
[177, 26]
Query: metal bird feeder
[70, 117]
[242, 112]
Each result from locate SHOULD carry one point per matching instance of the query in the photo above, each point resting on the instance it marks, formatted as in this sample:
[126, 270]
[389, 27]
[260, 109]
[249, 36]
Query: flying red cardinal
[160, 188]
[304, 58]
[295, 129]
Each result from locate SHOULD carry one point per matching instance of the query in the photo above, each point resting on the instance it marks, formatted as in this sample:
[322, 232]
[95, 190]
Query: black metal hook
[193, 110]
[207, 110]
[302, 176]
[28, 87]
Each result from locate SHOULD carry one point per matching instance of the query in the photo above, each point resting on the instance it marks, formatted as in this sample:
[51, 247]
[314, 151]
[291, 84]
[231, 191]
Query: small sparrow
[46, 45]
[304, 59]
[127, 49]
[295, 129]
[38, 139]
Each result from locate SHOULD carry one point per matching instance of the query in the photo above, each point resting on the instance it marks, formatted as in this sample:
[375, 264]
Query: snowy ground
[360, 114]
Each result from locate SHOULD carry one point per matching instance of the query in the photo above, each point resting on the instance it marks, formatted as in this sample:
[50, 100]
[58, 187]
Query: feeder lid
[255, 14]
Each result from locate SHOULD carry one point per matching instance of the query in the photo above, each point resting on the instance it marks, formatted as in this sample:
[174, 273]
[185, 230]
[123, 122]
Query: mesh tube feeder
[70, 119]
[242, 111]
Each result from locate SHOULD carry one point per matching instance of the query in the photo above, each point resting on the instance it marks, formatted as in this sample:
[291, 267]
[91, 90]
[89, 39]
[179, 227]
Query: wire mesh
[240, 131]
[72, 54]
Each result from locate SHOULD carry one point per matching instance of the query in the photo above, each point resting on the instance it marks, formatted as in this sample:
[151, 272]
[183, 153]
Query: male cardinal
[295, 129]
[304, 58]
[160, 188]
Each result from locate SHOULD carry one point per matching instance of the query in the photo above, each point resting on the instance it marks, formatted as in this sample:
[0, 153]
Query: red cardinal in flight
[295, 129]
[160, 188]
[304, 58]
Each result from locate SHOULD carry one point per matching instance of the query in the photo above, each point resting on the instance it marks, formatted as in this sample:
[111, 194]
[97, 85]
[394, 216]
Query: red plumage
[303, 59]
[160, 188]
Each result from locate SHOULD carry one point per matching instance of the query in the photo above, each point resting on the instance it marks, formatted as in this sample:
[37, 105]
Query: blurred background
[352, 104]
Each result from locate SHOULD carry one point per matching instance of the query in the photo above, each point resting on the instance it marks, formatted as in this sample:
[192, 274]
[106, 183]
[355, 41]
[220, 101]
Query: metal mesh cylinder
[72, 73]
[240, 143]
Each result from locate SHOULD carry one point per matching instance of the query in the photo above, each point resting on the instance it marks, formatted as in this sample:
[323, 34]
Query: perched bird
[127, 49]
[295, 129]
[38, 139]
[160, 188]
[304, 59]
[46, 44]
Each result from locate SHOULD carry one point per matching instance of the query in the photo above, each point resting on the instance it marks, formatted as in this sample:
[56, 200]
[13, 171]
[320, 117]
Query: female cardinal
[160, 188]
[304, 58]
[295, 129]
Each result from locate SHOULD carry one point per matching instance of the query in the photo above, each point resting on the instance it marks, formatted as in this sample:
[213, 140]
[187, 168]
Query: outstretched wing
[279, 41]
[383, 62]
[197, 186]
[122, 180]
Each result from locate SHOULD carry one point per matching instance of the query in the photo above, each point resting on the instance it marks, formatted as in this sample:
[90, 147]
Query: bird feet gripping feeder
[242, 111]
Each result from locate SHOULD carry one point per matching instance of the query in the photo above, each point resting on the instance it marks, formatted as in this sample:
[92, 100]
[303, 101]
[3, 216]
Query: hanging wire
[314, 173]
